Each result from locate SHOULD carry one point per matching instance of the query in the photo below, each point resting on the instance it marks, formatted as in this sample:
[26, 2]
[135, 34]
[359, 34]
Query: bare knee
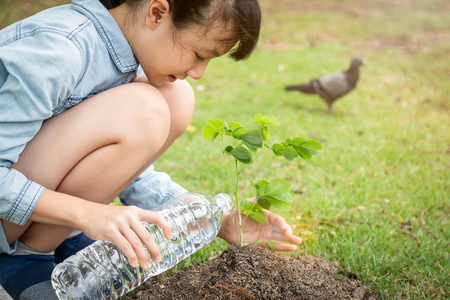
[147, 118]
[181, 101]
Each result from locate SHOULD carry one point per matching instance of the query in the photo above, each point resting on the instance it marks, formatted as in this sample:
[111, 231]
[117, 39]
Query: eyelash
[199, 57]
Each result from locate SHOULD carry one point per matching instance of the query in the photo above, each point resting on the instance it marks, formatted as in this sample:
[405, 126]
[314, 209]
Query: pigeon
[333, 86]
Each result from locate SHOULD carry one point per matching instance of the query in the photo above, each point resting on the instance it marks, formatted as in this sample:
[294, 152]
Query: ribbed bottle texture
[101, 270]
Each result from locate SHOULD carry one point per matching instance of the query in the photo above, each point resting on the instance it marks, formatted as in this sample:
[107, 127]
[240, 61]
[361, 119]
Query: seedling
[243, 149]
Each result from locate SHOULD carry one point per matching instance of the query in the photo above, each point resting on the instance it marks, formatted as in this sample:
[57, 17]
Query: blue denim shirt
[49, 63]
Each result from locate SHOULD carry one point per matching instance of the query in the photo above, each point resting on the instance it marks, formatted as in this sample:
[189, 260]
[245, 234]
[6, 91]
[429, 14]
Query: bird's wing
[335, 84]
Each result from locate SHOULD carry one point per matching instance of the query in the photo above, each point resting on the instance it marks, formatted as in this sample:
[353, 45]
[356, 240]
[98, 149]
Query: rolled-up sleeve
[25, 194]
[151, 189]
[38, 70]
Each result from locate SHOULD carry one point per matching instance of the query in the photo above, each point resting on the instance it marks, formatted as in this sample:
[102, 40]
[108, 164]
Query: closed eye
[199, 57]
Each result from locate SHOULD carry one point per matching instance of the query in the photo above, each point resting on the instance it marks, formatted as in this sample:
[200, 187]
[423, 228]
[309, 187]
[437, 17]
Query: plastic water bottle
[101, 270]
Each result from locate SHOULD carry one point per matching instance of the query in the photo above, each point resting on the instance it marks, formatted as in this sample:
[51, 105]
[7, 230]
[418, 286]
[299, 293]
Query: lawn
[376, 198]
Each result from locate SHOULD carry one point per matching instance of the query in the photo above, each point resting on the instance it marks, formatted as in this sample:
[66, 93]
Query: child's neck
[119, 14]
[131, 26]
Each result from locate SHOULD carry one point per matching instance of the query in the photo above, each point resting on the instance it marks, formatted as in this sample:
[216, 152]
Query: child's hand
[122, 225]
[275, 228]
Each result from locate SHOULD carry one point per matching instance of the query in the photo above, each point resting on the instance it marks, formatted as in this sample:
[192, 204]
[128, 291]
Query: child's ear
[156, 12]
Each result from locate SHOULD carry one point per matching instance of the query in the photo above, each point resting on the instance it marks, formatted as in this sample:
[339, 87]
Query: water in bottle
[101, 270]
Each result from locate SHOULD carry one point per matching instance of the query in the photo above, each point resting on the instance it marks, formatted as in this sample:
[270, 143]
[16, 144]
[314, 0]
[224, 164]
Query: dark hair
[243, 17]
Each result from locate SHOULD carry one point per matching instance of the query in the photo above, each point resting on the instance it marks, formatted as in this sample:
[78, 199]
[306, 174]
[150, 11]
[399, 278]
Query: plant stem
[236, 227]
[238, 203]
[226, 165]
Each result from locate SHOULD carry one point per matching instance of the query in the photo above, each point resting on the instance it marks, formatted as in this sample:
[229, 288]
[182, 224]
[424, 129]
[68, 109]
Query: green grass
[13, 10]
[386, 149]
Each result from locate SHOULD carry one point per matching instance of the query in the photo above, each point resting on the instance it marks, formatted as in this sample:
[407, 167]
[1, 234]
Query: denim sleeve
[38, 70]
[151, 189]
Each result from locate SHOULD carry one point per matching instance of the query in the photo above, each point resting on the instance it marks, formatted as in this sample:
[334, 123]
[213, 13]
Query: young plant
[243, 149]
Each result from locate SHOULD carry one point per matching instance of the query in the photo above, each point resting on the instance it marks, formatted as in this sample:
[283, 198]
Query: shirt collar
[118, 46]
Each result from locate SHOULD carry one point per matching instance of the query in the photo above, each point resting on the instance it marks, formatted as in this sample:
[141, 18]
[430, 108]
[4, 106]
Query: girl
[78, 126]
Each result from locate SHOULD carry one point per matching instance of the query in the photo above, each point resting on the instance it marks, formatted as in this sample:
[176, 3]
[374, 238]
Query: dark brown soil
[256, 273]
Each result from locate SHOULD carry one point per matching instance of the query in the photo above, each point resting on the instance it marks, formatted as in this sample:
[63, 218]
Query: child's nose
[197, 71]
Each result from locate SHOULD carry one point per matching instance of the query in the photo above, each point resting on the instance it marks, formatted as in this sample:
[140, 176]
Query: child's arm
[121, 225]
[27, 98]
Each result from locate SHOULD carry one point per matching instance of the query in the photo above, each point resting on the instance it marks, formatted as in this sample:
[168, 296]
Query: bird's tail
[304, 88]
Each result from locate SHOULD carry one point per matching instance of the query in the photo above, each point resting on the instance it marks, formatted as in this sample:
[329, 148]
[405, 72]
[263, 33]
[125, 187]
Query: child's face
[177, 57]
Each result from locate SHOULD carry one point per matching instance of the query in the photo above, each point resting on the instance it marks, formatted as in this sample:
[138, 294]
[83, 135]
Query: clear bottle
[101, 270]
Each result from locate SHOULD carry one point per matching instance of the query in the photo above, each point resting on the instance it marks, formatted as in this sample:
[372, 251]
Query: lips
[172, 78]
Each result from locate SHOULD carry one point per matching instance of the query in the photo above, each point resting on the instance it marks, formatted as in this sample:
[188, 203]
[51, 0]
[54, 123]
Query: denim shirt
[49, 63]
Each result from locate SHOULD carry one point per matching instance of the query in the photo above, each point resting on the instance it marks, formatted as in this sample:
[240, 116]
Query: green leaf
[298, 141]
[278, 149]
[312, 145]
[212, 129]
[289, 153]
[216, 123]
[238, 132]
[207, 132]
[261, 188]
[258, 117]
[221, 130]
[281, 205]
[277, 186]
[233, 125]
[271, 245]
[242, 154]
[250, 147]
[265, 119]
[264, 203]
[255, 243]
[284, 196]
[253, 211]
[254, 138]
[228, 149]
[312, 152]
[261, 183]
[302, 152]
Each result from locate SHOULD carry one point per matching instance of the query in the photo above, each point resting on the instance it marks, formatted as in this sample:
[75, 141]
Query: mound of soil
[256, 273]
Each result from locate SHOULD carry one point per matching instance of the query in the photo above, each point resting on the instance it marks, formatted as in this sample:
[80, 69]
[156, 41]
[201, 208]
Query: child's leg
[95, 149]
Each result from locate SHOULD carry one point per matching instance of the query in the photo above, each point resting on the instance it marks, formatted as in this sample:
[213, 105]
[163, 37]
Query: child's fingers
[279, 221]
[136, 237]
[127, 250]
[283, 232]
[285, 247]
[280, 246]
[295, 239]
[147, 238]
[158, 219]
[290, 237]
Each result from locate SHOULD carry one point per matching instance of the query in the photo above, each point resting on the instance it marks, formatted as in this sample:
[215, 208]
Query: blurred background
[376, 198]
